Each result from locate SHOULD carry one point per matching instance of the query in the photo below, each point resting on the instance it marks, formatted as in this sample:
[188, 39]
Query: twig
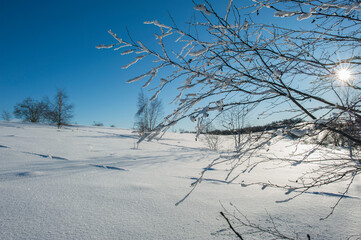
[230, 225]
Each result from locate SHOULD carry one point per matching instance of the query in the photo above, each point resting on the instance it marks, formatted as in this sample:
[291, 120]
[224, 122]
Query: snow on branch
[115, 36]
[284, 14]
[134, 61]
[202, 8]
[140, 77]
[228, 9]
[155, 95]
[154, 73]
[158, 24]
[198, 52]
[104, 46]
[144, 48]
[127, 52]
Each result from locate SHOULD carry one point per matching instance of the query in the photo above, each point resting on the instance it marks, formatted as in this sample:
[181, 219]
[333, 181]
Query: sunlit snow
[95, 183]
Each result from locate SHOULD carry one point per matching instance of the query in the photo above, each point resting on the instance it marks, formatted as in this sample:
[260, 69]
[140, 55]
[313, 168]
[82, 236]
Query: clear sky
[47, 45]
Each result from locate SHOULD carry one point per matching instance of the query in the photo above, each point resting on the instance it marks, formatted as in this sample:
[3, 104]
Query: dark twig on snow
[230, 225]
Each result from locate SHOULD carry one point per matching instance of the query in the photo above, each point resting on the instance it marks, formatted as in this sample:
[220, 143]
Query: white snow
[202, 8]
[298, 132]
[136, 59]
[283, 14]
[127, 52]
[104, 46]
[158, 24]
[304, 16]
[198, 52]
[93, 183]
[155, 95]
[228, 9]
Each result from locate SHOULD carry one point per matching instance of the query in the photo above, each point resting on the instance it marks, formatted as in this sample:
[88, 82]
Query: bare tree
[304, 71]
[61, 111]
[6, 115]
[234, 121]
[212, 140]
[31, 110]
[148, 114]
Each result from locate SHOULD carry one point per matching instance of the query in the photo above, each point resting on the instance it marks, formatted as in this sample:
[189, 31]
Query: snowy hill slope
[92, 183]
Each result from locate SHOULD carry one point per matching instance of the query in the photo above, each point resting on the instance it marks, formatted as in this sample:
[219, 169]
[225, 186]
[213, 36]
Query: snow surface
[92, 183]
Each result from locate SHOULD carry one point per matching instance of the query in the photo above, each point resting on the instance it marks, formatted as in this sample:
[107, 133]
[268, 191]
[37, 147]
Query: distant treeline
[271, 126]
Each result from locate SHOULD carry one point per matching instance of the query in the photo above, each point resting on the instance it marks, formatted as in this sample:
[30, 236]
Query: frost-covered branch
[309, 71]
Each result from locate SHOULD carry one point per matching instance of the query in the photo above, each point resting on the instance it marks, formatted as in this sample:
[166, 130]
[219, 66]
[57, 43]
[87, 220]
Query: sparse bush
[31, 110]
[212, 140]
[98, 124]
[233, 121]
[6, 115]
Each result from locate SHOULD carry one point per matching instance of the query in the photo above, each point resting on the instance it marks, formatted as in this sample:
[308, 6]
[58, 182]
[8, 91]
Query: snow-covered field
[92, 183]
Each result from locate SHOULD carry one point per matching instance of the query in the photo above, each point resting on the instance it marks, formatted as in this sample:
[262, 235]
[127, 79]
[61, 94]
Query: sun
[343, 74]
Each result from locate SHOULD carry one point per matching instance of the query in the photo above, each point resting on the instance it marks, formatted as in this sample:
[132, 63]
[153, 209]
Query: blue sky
[50, 45]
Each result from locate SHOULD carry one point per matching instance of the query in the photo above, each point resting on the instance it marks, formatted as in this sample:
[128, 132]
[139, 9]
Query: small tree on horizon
[6, 115]
[148, 114]
[31, 110]
[60, 111]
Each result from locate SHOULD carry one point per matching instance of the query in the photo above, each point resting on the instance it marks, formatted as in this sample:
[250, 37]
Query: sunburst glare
[344, 74]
